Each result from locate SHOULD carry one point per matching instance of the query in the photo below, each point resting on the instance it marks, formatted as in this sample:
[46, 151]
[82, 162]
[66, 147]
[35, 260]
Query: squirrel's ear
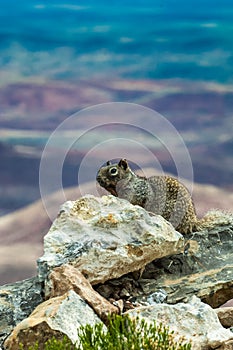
[123, 164]
[108, 162]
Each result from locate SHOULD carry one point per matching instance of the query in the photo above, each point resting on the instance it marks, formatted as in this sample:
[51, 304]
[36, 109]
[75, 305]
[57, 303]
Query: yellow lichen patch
[107, 221]
[82, 208]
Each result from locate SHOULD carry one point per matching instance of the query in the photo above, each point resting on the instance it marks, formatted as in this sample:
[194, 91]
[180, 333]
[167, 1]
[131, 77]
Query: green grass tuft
[123, 333]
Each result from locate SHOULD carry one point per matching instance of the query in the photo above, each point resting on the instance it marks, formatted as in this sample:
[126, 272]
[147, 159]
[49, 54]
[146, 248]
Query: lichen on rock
[106, 238]
[58, 316]
[195, 321]
[106, 256]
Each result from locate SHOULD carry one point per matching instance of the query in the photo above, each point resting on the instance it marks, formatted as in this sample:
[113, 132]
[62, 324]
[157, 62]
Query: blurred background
[58, 57]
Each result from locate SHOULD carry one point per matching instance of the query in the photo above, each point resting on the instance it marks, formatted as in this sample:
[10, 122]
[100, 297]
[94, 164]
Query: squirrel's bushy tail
[214, 218]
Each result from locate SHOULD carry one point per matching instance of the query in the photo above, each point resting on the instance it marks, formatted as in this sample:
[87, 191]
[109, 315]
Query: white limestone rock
[106, 238]
[195, 322]
[57, 317]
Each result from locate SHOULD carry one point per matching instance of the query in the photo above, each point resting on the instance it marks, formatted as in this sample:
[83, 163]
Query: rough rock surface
[106, 238]
[108, 246]
[205, 269]
[195, 321]
[55, 317]
[17, 301]
[225, 315]
[67, 277]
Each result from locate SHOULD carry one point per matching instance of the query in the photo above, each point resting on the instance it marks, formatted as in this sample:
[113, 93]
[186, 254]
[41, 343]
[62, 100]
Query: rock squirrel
[163, 195]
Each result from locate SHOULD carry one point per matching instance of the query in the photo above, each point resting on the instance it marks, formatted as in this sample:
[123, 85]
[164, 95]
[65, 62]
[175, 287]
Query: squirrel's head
[110, 175]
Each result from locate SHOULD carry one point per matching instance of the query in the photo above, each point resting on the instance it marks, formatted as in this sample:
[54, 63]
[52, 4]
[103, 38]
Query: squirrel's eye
[113, 171]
